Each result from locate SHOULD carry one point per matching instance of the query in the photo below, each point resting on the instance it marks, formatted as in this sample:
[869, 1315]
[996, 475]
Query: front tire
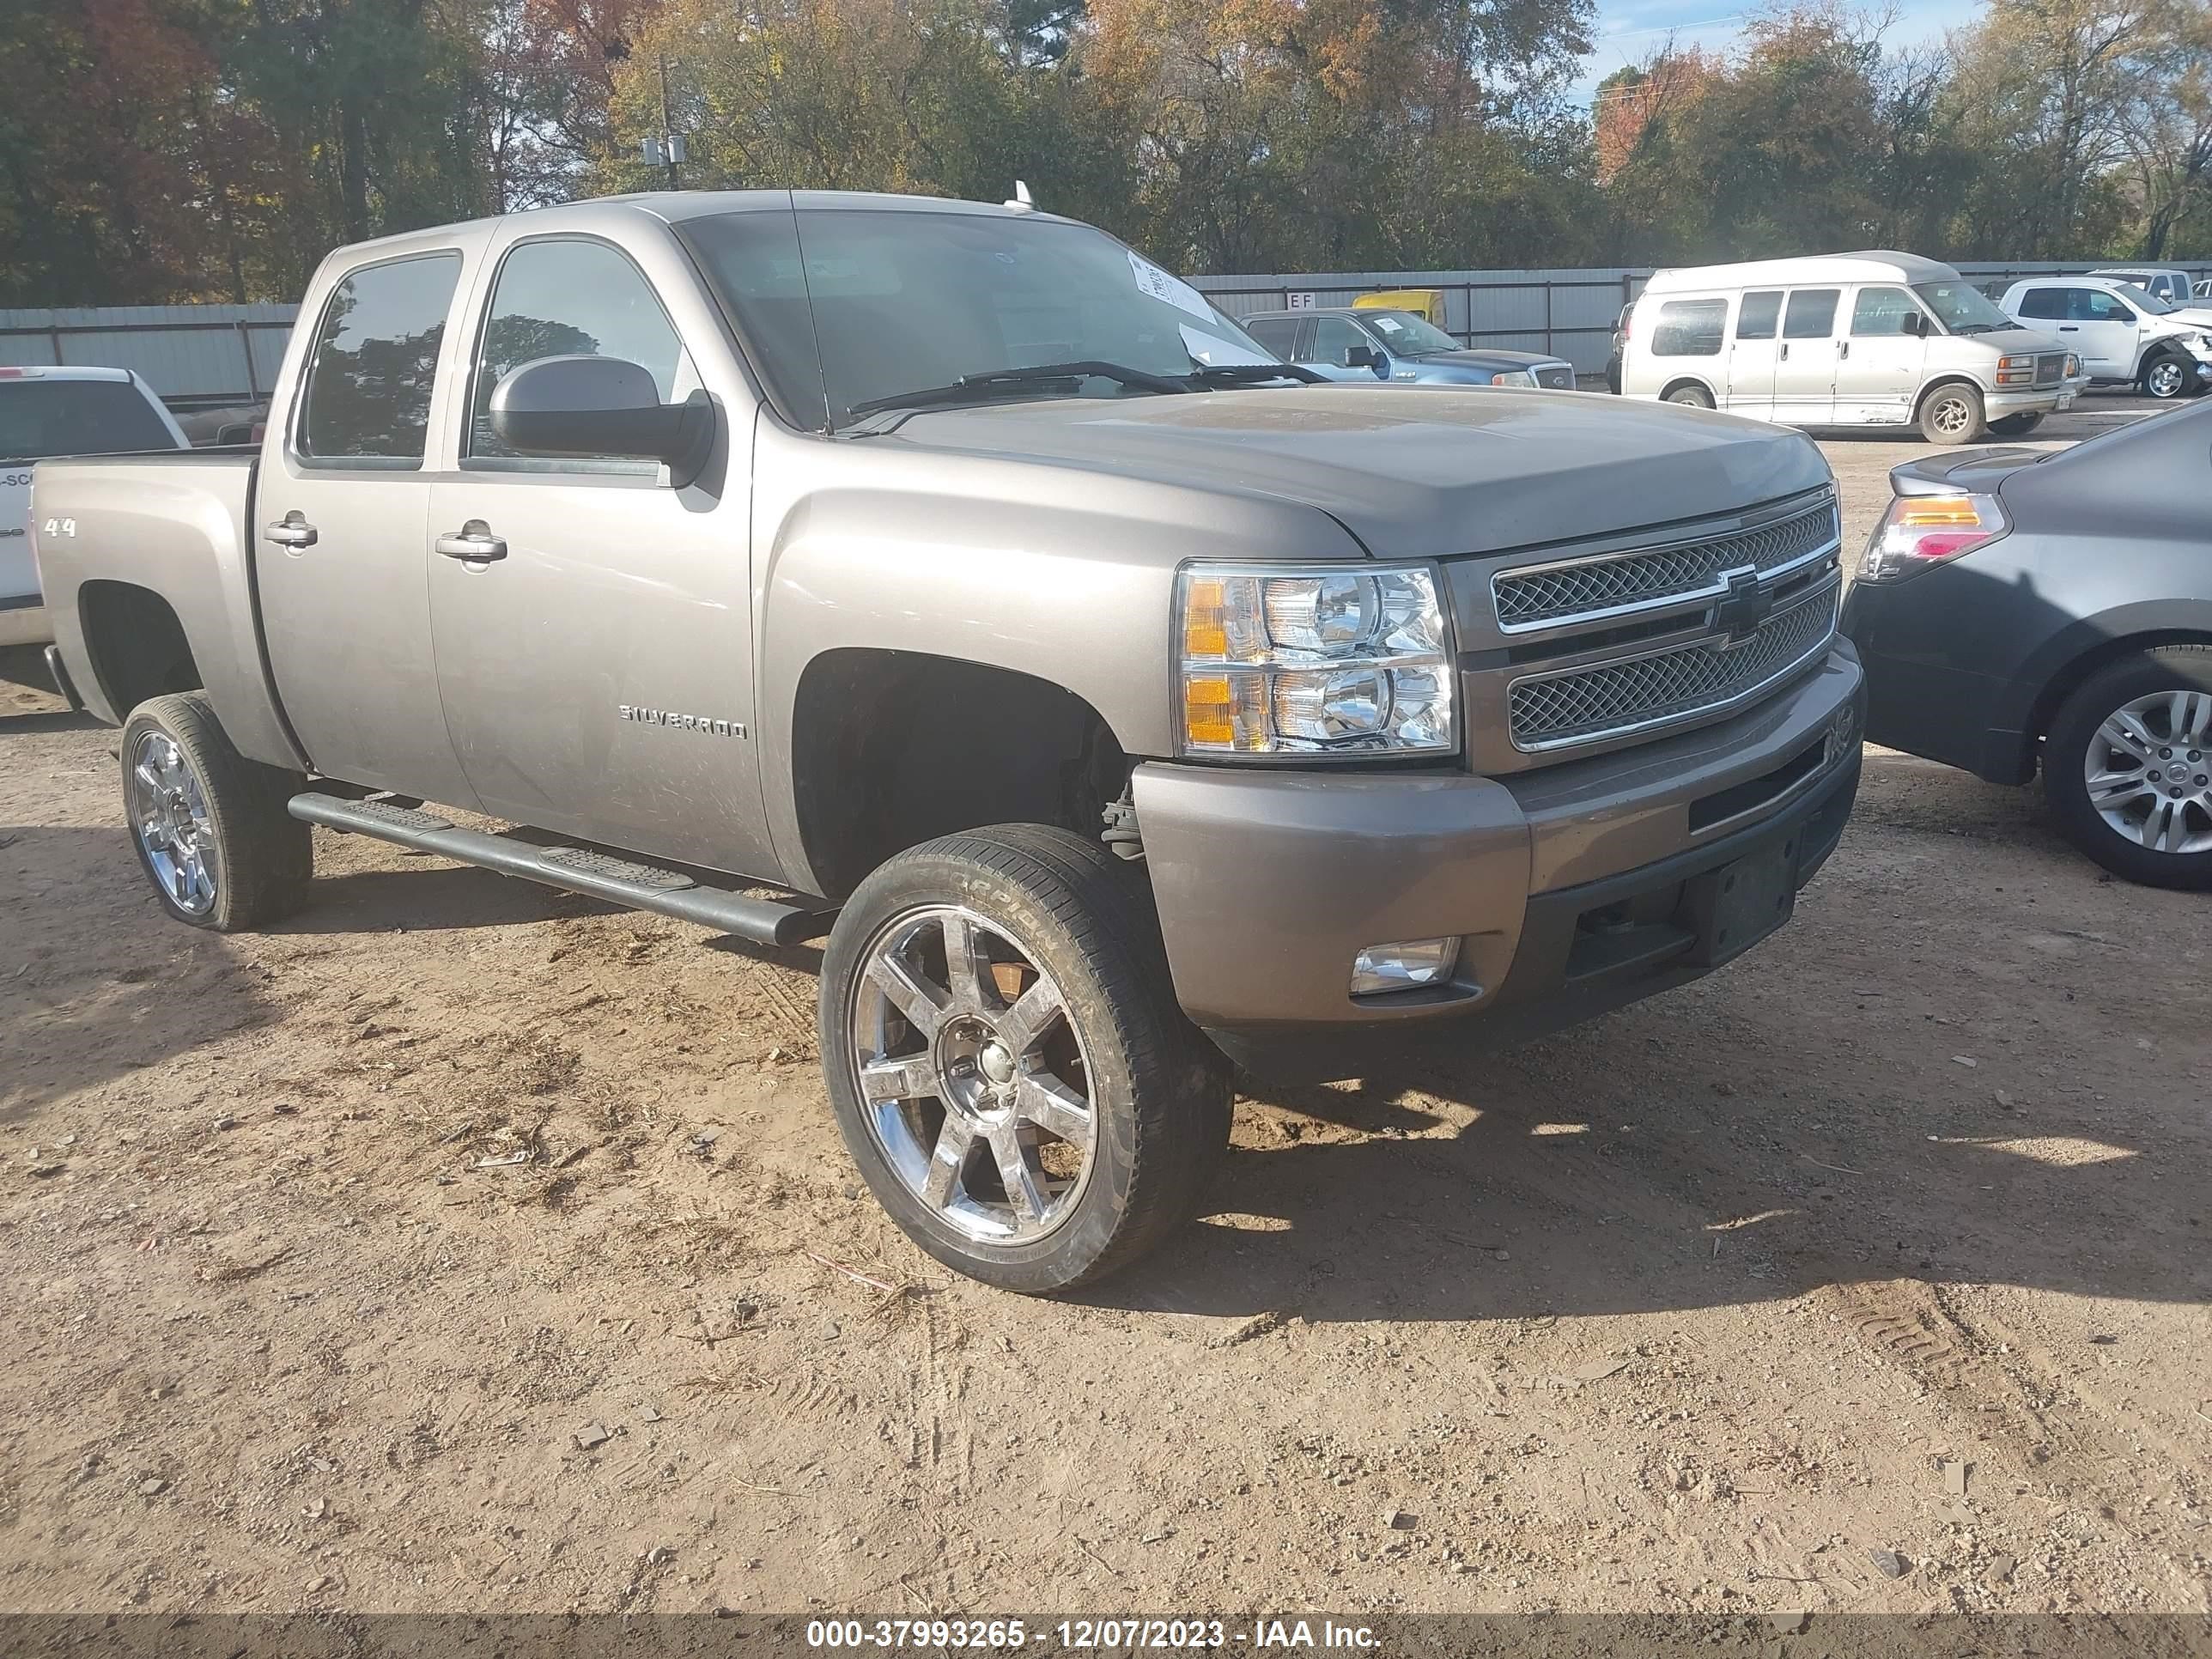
[2127, 766]
[209, 826]
[2165, 378]
[1953, 415]
[1008, 1066]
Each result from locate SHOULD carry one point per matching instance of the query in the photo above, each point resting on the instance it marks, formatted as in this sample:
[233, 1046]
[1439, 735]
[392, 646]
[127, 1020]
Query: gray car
[955, 581]
[2018, 608]
[1356, 343]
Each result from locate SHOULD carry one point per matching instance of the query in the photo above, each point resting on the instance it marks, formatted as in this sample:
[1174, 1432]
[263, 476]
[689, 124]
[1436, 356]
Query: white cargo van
[1844, 340]
[46, 412]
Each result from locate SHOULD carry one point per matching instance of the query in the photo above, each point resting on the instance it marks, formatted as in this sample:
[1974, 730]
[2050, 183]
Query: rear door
[1752, 354]
[1805, 368]
[597, 668]
[340, 507]
[1880, 363]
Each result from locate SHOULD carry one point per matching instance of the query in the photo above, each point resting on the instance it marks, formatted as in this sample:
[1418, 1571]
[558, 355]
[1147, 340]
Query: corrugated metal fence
[200, 356]
[195, 356]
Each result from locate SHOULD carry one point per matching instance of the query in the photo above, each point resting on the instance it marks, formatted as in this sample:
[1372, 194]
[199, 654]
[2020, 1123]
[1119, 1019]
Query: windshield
[846, 306]
[1962, 308]
[1410, 336]
[41, 418]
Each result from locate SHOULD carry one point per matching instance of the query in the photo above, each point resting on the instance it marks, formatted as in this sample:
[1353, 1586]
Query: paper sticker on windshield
[1163, 285]
[1389, 325]
[1210, 348]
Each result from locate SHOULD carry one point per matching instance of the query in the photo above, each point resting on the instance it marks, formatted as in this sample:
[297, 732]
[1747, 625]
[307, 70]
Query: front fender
[1063, 574]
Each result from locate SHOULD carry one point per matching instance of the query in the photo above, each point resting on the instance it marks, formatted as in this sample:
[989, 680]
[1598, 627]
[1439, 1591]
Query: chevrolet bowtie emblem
[1745, 607]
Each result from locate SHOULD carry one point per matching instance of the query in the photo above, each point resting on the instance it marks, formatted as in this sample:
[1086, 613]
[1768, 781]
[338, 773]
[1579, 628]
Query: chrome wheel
[2163, 378]
[1951, 417]
[2149, 771]
[169, 816]
[972, 1078]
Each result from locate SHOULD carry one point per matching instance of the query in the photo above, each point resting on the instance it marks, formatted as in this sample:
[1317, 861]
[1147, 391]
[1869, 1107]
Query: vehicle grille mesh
[1672, 684]
[2051, 368]
[1559, 379]
[1568, 591]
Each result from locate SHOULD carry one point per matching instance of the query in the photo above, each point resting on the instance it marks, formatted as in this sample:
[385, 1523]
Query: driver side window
[1334, 340]
[564, 298]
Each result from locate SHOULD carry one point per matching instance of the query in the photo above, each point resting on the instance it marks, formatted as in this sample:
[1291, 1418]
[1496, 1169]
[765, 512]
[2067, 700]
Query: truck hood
[1413, 471]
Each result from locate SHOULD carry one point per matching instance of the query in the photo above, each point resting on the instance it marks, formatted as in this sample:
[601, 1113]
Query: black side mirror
[590, 405]
[1360, 356]
[1916, 325]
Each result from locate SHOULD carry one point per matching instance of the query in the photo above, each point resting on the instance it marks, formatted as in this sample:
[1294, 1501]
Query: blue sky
[1629, 30]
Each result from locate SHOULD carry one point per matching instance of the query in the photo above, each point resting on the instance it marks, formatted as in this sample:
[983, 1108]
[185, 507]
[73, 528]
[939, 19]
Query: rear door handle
[291, 530]
[1785, 351]
[473, 543]
[1843, 347]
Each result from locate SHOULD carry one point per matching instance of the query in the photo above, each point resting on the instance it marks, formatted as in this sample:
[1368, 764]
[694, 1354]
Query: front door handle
[2069, 328]
[291, 530]
[473, 543]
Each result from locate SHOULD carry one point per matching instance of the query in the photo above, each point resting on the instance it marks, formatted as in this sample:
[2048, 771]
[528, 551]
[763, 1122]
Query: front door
[594, 623]
[2103, 328]
[1880, 363]
[1335, 339]
[1754, 350]
[1805, 370]
[340, 509]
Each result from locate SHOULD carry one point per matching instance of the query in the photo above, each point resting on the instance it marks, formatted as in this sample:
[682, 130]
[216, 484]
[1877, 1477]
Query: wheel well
[2062, 683]
[1681, 380]
[894, 748]
[137, 646]
[1934, 386]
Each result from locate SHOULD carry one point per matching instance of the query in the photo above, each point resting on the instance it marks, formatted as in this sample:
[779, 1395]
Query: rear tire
[1691, 397]
[2127, 766]
[1953, 415]
[209, 826]
[1045, 1114]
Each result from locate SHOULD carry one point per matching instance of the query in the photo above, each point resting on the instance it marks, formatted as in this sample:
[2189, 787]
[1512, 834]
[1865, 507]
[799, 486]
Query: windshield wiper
[1251, 373]
[970, 387]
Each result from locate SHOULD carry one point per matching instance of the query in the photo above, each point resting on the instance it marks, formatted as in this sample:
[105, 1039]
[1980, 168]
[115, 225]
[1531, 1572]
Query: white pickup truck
[46, 412]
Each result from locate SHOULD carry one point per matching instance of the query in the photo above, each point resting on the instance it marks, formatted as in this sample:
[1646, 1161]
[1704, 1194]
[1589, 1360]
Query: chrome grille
[1547, 595]
[1584, 704]
[1559, 379]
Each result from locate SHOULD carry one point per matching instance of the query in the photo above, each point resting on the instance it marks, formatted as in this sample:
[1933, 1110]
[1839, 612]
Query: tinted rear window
[41, 418]
[369, 376]
[1812, 313]
[1278, 334]
[1758, 314]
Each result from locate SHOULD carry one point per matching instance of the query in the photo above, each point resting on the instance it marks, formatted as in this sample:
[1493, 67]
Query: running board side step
[580, 870]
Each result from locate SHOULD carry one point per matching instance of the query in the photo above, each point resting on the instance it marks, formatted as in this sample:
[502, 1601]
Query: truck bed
[177, 526]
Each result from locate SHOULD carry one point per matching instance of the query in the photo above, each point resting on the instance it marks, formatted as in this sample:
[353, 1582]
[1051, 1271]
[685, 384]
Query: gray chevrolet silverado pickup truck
[1116, 702]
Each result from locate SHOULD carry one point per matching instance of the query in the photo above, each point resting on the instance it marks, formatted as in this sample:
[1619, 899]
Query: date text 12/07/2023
[1014, 1635]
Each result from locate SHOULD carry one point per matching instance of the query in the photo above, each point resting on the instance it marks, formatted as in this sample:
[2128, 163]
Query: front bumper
[2044, 400]
[1573, 889]
[26, 624]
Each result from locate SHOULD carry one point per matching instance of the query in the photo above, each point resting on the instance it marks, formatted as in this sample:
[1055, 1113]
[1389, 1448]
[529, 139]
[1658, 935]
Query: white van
[1844, 340]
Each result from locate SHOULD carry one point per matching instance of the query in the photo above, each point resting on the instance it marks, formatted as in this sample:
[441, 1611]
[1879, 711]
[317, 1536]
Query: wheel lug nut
[2165, 754]
[2156, 777]
[2176, 793]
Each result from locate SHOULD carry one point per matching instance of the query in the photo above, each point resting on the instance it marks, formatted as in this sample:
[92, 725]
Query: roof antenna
[1020, 202]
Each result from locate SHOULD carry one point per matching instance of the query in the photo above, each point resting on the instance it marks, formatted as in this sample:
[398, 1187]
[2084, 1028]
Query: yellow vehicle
[1426, 303]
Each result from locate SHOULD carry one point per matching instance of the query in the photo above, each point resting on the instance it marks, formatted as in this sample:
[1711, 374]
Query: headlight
[1281, 661]
[2016, 371]
[2073, 365]
[1513, 377]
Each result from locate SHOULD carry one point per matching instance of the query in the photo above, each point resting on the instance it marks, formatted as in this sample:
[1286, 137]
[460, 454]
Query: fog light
[1403, 965]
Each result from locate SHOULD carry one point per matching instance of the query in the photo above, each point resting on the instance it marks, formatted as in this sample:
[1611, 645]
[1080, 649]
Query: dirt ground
[1892, 1236]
